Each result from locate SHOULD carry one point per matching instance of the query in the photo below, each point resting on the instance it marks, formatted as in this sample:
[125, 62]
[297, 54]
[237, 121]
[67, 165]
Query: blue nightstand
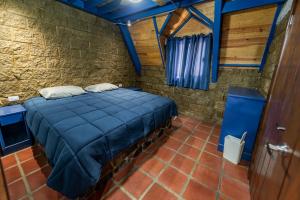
[134, 88]
[14, 133]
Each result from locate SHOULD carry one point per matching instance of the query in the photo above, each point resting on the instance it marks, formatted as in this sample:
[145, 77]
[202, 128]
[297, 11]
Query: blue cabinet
[243, 111]
[14, 133]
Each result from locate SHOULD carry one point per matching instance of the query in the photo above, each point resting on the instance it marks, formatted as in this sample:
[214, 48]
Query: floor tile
[180, 135]
[38, 178]
[172, 144]
[8, 161]
[200, 134]
[177, 122]
[196, 191]
[236, 171]
[203, 128]
[213, 140]
[12, 174]
[213, 149]
[195, 142]
[137, 183]
[124, 171]
[46, 193]
[33, 164]
[117, 195]
[212, 161]
[164, 154]
[16, 190]
[153, 166]
[28, 153]
[182, 163]
[191, 124]
[207, 176]
[217, 131]
[189, 151]
[158, 192]
[234, 189]
[173, 179]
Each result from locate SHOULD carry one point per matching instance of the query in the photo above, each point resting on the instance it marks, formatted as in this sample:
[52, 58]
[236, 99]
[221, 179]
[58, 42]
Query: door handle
[281, 128]
[283, 148]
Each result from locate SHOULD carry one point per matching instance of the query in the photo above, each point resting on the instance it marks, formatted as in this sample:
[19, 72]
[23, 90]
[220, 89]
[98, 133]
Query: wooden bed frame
[126, 158]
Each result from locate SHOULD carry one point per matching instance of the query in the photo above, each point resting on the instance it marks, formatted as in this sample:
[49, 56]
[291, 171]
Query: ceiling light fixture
[135, 1]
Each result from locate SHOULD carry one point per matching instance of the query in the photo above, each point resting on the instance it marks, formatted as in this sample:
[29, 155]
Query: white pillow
[61, 91]
[101, 87]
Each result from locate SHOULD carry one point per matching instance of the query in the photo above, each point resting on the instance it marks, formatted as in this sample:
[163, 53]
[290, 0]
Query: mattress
[81, 134]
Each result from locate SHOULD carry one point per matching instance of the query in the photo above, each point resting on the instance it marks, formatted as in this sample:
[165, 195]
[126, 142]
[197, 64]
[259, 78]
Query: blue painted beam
[165, 23]
[131, 49]
[95, 2]
[181, 26]
[160, 10]
[270, 38]
[232, 6]
[216, 39]
[202, 16]
[201, 21]
[158, 40]
[240, 65]
[131, 9]
[107, 8]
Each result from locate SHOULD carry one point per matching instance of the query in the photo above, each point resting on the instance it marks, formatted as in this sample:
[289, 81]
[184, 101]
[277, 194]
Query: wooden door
[280, 127]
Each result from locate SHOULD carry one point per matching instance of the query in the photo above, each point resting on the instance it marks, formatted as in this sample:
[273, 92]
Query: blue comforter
[81, 133]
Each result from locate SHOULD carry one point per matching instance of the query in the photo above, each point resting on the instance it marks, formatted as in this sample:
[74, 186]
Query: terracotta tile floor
[184, 164]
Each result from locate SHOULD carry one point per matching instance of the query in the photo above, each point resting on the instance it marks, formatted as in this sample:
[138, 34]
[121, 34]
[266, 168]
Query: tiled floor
[183, 165]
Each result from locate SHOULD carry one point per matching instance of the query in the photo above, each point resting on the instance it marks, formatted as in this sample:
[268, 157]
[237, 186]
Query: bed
[80, 134]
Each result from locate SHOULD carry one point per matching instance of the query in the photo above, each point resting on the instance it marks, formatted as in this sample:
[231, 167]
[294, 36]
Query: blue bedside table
[14, 133]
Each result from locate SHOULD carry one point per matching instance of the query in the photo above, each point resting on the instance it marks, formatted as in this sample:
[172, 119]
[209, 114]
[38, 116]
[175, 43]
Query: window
[188, 61]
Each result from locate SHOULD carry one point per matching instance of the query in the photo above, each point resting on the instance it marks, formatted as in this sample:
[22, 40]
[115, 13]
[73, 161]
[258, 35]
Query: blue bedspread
[80, 134]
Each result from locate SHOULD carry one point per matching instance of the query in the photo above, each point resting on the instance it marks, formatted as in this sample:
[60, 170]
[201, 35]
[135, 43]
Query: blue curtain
[188, 61]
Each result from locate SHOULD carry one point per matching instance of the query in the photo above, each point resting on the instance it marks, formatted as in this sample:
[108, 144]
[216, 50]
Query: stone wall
[46, 43]
[273, 55]
[203, 105]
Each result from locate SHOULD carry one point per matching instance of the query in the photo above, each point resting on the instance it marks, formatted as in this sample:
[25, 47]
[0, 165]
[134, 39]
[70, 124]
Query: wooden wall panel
[193, 27]
[244, 34]
[144, 38]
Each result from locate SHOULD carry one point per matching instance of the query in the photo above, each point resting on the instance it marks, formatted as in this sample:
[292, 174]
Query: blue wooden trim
[95, 2]
[240, 65]
[231, 6]
[131, 48]
[216, 39]
[160, 10]
[129, 10]
[158, 41]
[201, 21]
[165, 23]
[270, 38]
[202, 16]
[181, 26]
[107, 8]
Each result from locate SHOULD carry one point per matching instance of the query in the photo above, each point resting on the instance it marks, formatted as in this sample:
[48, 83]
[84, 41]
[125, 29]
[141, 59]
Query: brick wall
[209, 105]
[45, 43]
[203, 105]
[274, 55]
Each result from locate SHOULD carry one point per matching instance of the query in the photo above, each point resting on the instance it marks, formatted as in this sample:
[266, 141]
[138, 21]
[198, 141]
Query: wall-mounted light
[135, 1]
[129, 23]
